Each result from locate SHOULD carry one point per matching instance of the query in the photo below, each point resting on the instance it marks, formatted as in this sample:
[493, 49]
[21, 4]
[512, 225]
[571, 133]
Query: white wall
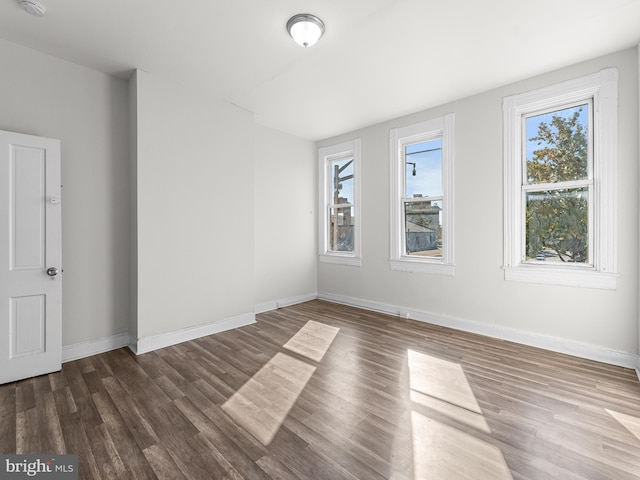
[225, 218]
[195, 220]
[285, 198]
[86, 110]
[478, 296]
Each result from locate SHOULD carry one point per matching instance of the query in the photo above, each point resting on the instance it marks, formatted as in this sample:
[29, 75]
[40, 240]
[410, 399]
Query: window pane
[557, 145]
[558, 226]
[341, 222]
[341, 181]
[423, 228]
[423, 172]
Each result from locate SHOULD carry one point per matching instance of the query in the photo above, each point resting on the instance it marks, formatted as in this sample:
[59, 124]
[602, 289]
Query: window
[422, 197]
[560, 170]
[340, 202]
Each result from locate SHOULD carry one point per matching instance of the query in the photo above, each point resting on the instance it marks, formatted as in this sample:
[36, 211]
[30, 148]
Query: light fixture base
[33, 7]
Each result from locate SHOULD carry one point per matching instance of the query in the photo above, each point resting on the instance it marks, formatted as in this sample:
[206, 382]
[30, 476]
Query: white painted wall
[225, 218]
[195, 202]
[478, 292]
[285, 238]
[86, 110]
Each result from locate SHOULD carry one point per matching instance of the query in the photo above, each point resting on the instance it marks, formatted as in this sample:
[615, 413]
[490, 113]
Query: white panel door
[30, 257]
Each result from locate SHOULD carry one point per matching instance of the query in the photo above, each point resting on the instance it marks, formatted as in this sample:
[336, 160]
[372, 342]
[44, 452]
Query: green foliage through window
[557, 214]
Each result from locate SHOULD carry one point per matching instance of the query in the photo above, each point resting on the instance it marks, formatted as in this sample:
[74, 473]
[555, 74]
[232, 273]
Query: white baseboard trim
[80, 350]
[154, 342]
[560, 345]
[284, 302]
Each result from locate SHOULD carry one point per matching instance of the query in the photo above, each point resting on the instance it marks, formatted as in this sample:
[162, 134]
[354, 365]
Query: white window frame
[326, 155]
[602, 90]
[441, 127]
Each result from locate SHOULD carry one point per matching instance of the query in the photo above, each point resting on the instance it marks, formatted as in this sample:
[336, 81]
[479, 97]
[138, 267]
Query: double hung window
[339, 199]
[560, 164]
[422, 197]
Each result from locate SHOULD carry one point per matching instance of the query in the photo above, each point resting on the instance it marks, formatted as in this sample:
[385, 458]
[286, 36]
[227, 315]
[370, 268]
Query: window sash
[331, 180]
[332, 194]
[590, 224]
[434, 198]
[404, 144]
[440, 226]
[528, 188]
[334, 228]
[556, 108]
[538, 187]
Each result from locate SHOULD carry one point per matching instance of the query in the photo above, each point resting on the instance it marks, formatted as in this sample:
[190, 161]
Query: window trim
[441, 127]
[602, 88]
[326, 155]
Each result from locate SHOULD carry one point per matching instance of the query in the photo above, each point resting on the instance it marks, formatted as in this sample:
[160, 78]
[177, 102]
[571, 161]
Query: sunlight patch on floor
[313, 340]
[461, 414]
[629, 422]
[441, 379]
[441, 451]
[263, 402]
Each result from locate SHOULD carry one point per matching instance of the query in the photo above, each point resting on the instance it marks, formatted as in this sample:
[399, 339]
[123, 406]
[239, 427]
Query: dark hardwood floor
[328, 392]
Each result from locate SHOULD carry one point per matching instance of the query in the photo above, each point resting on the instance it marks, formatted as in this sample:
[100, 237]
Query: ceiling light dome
[305, 29]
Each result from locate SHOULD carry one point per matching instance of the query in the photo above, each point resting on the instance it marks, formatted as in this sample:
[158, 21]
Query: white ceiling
[378, 59]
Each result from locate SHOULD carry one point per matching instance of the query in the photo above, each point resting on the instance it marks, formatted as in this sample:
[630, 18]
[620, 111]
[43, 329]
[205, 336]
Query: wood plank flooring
[327, 392]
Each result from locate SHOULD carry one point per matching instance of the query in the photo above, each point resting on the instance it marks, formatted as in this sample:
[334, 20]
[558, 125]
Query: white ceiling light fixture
[33, 7]
[305, 29]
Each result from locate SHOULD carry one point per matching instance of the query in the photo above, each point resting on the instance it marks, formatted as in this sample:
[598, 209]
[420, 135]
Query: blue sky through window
[533, 123]
[427, 157]
[345, 187]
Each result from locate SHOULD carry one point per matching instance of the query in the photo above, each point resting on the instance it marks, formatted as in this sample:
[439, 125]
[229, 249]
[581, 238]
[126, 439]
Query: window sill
[337, 259]
[571, 277]
[420, 266]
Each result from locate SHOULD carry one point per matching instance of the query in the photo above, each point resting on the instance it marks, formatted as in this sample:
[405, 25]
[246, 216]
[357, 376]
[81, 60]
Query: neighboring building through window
[422, 206]
[339, 199]
[560, 163]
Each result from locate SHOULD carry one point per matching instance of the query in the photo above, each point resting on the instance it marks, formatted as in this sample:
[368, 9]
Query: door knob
[52, 271]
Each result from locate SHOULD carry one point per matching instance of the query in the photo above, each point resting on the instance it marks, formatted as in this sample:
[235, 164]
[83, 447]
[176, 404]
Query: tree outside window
[558, 186]
[560, 164]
